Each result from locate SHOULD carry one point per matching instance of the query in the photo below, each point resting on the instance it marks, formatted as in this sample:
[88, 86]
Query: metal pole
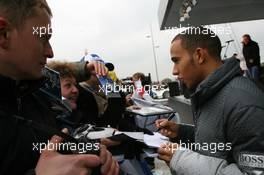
[154, 53]
[225, 56]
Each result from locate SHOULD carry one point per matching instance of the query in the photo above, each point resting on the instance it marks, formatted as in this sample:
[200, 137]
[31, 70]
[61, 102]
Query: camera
[79, 143]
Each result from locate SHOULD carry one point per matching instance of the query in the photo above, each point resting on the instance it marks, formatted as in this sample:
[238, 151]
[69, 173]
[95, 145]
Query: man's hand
[166, 151]
[108, 142]
[109, 164]
[168, 128]
[129, 101]
[97, 68]
[53, 163]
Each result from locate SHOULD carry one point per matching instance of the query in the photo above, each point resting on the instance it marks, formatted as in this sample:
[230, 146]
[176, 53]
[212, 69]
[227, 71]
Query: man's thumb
[53, 144]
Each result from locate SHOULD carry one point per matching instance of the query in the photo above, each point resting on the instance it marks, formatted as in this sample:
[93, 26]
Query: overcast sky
[117, 31]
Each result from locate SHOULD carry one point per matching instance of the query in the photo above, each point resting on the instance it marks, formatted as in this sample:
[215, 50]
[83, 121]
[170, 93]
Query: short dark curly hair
[65, 69]
[194, 37]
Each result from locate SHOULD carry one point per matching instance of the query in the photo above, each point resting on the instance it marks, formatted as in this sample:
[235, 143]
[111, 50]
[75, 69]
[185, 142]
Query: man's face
[27, 51]
[70, 91]
[185, 66]
[245, 40]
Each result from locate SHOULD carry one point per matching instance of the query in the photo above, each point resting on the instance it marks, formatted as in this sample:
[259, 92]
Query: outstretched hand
[53, 163]
[166, 151]
[97, 67]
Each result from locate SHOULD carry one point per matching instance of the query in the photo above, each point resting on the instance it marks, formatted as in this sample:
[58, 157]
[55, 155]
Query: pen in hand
[113, 133]
[170, 117]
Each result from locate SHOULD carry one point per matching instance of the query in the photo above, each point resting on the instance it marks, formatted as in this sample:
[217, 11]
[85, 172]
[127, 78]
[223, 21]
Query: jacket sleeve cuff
[82, 73]
[186, 161]
[185, 135]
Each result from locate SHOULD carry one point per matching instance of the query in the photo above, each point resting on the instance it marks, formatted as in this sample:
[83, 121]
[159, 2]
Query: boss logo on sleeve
[251, 160]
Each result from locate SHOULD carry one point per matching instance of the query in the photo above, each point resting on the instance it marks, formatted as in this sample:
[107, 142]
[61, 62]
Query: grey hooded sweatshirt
[228, 132]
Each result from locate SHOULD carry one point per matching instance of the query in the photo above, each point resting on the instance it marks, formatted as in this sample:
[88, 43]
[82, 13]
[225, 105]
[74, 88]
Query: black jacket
[251, 51]
[25, 99]
[229, 116]
[17, 153]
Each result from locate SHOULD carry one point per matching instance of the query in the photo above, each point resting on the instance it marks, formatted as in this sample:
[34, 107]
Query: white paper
[135, 135]
[107, 132]
[155, 140]
[148, 108]
[150, 152]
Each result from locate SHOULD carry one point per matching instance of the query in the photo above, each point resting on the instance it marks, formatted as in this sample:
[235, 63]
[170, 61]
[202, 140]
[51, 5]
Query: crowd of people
[227, 136]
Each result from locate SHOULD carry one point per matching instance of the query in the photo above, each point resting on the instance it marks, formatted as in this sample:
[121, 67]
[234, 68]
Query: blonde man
[24, 48]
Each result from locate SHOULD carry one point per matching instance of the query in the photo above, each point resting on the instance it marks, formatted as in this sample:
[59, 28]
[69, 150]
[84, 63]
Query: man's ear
[4, 33]
[199, 55]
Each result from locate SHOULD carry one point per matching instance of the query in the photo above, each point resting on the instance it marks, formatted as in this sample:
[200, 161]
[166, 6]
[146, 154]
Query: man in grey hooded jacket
[228, 112]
